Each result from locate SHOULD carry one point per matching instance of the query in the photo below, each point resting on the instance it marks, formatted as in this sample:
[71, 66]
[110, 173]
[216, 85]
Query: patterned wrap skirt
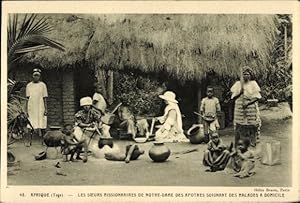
[245, 121]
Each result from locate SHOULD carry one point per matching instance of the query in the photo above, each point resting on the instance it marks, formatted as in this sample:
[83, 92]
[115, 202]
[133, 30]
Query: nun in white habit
[171, 128]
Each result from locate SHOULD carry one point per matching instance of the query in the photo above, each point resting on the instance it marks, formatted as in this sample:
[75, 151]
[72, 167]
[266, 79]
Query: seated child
[216, 156]
[114, 153]
[209, 108]
[242, 160]
[71, 145]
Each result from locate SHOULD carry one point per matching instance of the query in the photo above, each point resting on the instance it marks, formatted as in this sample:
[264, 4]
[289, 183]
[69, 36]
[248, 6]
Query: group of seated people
[239, 161]
[88, 119]
[217, 156]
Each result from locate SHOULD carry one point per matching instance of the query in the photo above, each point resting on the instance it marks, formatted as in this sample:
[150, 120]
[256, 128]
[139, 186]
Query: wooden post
[110, 86]
[101, 81]
[199, 95]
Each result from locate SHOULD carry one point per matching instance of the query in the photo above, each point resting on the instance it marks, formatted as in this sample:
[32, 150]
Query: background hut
[192, 50]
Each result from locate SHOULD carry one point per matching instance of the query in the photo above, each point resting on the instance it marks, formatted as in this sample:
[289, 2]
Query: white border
[250, 7]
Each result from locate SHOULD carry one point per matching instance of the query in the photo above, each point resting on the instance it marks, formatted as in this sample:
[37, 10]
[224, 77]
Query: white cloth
[101, 103]
[251, 89]
[171, 130]
[210, 105]
[169, 122]
[100, 153]
[36, 108]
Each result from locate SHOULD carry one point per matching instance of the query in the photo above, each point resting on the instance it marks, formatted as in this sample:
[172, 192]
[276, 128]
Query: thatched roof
[186, 46]
[72, 33]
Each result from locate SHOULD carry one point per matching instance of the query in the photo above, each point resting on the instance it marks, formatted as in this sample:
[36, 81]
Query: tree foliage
[278, 76]
[139, 93]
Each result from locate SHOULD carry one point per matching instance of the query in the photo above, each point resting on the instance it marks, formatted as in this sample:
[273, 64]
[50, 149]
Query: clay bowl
[140, 139]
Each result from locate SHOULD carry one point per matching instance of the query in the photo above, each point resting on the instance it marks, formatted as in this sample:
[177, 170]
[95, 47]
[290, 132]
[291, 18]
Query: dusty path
[179, 170]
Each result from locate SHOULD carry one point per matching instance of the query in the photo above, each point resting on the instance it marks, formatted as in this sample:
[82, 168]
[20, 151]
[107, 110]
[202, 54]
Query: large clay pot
[53, 137]
[159, 152]
[196, 134]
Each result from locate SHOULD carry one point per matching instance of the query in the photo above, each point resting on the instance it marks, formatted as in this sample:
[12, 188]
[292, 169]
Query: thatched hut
[184, 47]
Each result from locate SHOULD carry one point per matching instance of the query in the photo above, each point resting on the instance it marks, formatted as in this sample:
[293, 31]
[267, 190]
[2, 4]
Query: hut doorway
[84, 84]
[187, 96]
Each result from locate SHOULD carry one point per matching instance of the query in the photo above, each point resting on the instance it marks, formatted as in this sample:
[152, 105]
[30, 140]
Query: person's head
[86, 103]
[215, 137]
[209, 91]
[169, 97]
[98, 88]
[68, 129]
[247, 73]
[102, 142]
[243, 144]
[36, 75]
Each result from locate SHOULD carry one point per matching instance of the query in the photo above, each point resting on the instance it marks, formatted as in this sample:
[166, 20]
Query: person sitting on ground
[71, 145]
[114, 153]
[216, 156]
[209, 108]
[242, 160]
[171, 128]
[131, 124]
[87, 119]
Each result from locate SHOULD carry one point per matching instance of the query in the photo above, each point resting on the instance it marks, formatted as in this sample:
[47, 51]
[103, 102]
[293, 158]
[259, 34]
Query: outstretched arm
[46, 106]
[252, 101]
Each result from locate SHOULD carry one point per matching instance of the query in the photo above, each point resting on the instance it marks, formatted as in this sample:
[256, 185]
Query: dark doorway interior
[84, 84]
[186, 94]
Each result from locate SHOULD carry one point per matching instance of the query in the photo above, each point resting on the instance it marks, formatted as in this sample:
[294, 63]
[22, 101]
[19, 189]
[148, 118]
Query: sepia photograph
[119, 93]
[149, 99]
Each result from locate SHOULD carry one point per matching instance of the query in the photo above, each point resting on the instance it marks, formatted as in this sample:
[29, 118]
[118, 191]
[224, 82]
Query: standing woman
[246, 94]
[36, 92]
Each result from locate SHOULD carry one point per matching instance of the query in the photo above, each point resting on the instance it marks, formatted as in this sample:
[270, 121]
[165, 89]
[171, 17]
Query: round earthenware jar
[159, 152]
[196, 134]
[105, 141]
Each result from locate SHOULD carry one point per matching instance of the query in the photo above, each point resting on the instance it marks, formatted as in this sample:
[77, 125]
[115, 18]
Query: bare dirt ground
[179, 170]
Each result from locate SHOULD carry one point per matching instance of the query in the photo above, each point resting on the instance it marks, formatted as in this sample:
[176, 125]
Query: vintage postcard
[149, 101]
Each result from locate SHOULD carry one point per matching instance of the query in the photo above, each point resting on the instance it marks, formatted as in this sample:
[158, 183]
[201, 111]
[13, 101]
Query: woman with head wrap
[37, 94]
[246, 94]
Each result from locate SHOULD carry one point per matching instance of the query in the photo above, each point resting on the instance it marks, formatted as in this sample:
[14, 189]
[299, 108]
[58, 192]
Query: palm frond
[31, 49]
[28, 37]
[34, 41]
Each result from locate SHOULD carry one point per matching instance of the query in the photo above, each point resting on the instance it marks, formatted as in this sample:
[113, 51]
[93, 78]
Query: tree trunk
[199, 96]
[101, 81]
[110, 86]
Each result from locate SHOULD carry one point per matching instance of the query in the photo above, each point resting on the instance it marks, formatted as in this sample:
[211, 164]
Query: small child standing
[216, 156]
[209, 108]
[71, 145]
[242, 160]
